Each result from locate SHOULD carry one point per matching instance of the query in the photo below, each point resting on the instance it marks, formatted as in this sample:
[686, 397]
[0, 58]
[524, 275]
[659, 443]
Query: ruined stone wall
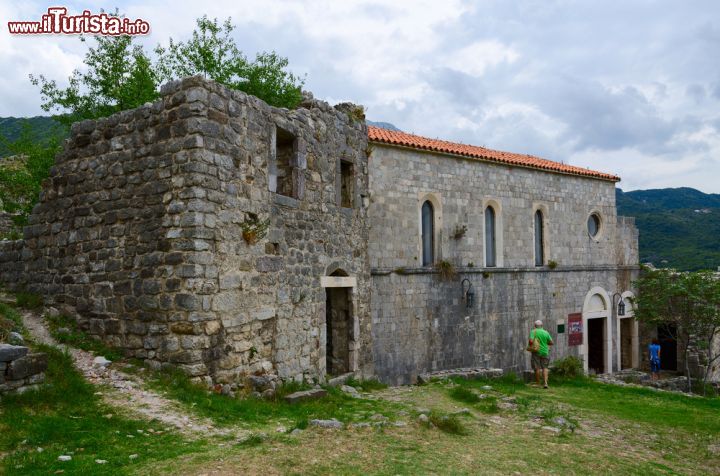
[139, 231]
[263, 302]
[420, 322]
[100, 242]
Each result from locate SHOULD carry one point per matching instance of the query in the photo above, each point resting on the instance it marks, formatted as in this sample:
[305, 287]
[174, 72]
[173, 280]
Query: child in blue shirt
[654, 349]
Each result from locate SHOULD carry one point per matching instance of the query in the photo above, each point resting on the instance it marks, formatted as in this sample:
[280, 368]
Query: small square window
[561, 328]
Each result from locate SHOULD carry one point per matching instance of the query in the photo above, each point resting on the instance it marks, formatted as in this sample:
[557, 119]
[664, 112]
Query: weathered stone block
[187, 302]
[26, 366]
[9, 352]
[268, 264]
[185, 328]
[304, 395]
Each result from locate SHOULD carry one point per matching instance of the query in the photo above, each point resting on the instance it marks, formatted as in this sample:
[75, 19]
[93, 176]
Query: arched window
[428, 231]
[539, 239]
[490, 248]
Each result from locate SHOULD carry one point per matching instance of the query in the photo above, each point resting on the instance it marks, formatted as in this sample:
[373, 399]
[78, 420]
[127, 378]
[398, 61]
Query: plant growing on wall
[254, 229]
[552, 264]
[446, 270]
[459, 231]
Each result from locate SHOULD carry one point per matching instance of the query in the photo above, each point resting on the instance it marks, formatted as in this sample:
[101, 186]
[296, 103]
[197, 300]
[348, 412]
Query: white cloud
[621, 89]
[474, 59]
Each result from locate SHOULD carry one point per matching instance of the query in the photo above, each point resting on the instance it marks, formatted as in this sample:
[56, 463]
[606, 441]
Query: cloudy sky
[630, 87]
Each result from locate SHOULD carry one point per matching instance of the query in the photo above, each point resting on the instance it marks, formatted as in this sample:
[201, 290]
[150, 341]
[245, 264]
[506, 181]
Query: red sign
[575, 329]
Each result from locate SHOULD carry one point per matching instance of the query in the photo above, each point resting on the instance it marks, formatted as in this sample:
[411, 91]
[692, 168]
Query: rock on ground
[312, 394]
[332, 423]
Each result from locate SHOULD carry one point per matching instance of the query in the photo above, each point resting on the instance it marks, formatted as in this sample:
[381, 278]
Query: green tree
[118, 76]
[213, 53]
[22, 174]
[689, 302]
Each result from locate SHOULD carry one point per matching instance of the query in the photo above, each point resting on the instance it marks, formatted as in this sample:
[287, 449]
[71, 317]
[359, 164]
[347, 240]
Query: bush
[568, 367]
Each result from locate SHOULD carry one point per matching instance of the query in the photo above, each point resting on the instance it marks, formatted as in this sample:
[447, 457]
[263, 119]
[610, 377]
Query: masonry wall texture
[215, 233]
[421, 322]
[140, 230]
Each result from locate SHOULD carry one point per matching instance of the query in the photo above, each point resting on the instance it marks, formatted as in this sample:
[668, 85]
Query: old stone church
[216, 233]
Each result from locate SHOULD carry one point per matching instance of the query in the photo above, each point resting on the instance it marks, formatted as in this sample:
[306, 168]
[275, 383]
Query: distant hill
[679, 227]
[383, 125]
[11, 128]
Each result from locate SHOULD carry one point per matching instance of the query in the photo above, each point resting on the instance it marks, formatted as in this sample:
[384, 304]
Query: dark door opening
[668, 347]
[337, 321]
[596, 354]
[626, 338]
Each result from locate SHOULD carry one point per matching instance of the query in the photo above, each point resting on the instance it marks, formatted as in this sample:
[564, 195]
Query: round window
[593, 224]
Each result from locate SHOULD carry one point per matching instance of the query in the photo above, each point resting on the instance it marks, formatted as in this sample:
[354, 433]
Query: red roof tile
[385, 136]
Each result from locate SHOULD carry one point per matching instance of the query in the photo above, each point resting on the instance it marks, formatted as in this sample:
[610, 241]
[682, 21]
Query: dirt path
[125, 391]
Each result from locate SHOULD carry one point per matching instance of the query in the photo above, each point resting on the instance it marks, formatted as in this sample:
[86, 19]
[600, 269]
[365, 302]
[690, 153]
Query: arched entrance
[340, 323]
[597, 335]
[628, 341]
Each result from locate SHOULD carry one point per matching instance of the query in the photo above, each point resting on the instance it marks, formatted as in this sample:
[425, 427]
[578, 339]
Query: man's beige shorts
[539, 363]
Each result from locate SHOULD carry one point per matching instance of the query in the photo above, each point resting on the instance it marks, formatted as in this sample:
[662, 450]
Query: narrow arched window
[428, 232]
[539, 239]
[490, 248]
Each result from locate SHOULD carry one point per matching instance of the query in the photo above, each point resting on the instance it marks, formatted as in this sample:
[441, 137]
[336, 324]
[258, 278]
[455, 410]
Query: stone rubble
[465, 373]
[352, 391]
[20, 370]
[332, 423]
[637, 378]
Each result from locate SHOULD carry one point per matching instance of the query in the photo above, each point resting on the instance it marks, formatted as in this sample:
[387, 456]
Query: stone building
[529, 237]
[213, 232]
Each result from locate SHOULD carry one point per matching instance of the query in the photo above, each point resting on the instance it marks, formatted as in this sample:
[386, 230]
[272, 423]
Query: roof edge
[414, 142]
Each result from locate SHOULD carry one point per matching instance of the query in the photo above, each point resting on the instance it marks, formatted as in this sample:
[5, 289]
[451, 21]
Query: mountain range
[679, 227]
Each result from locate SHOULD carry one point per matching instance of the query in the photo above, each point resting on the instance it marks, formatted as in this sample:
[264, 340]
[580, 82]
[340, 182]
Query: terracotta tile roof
[385, 136]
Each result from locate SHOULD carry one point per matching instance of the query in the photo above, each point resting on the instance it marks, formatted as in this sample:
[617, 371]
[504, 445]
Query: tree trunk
[687, 365]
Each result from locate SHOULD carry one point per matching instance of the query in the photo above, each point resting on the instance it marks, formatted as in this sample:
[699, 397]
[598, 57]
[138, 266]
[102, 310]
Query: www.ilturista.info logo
[57, 21]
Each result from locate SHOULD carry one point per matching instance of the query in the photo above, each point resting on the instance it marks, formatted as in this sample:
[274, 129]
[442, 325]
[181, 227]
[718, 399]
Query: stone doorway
[668, 347]
[338, 322]
[626, 344]
[596, 344]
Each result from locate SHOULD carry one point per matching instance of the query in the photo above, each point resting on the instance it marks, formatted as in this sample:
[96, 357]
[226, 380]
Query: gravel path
[125, 391]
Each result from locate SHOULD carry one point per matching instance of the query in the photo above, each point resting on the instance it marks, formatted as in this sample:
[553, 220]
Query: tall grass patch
[27, 300]
[66, 417]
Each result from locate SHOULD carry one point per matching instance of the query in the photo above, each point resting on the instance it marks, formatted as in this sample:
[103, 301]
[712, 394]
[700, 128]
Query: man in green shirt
[540, 359]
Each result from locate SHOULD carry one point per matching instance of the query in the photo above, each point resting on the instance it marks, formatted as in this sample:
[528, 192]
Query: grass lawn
[473, 427]
[619, 430]
[66, 417]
